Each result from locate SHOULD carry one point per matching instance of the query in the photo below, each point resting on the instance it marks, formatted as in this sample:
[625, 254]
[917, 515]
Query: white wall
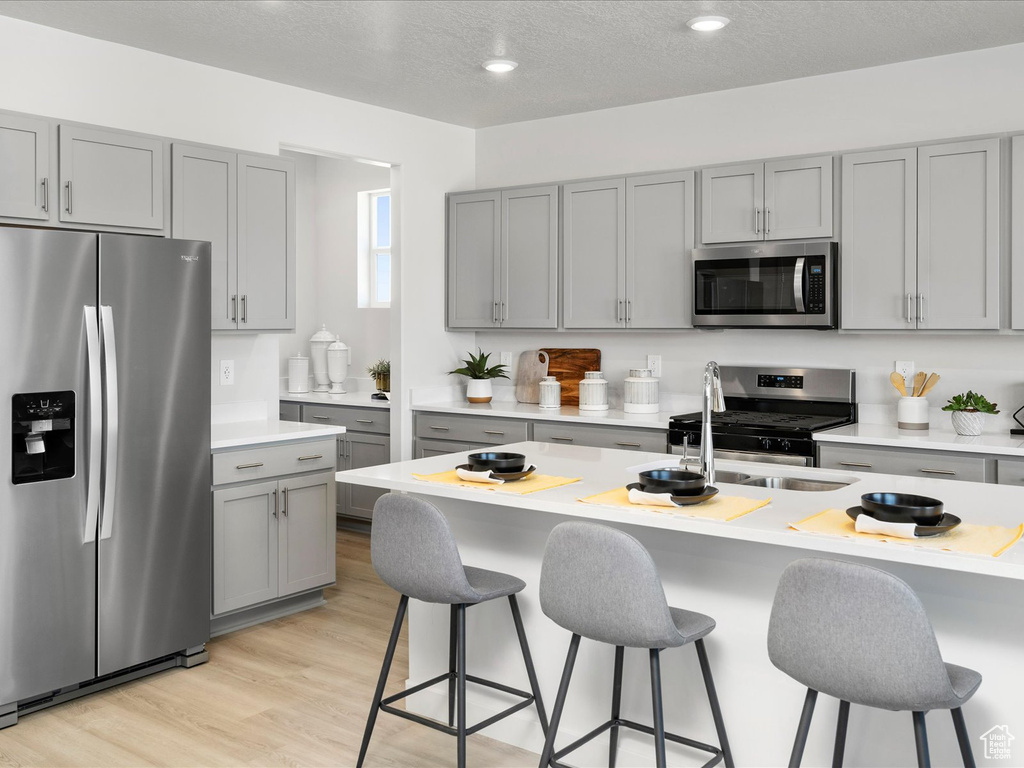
[62, 75]
[931, 99]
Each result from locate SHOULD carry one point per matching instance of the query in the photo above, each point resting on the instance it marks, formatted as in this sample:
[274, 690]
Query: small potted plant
[381, 373]
[967, 409]
[479, 389]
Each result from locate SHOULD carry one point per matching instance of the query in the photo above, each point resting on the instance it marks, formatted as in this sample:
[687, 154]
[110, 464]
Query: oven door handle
[798, 285]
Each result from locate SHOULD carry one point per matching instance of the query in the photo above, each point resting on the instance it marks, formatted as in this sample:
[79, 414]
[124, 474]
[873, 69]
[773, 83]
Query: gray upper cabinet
[879, 235]
[776, 200]
[659, 241]
[474, 248]
[110, 178]
[266, 243]
[1017, 231]
[594, 254]
[25, 183]
[958, 235]
[205, 207]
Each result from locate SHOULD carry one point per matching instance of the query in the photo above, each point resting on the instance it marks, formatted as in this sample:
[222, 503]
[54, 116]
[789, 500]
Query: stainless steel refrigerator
[105, 505]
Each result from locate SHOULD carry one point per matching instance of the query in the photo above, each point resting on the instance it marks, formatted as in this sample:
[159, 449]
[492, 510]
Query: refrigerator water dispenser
[42, 436]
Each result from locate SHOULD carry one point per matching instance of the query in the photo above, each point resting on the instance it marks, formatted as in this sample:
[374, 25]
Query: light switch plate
[506, 359]
[227, 372]
[654, 363]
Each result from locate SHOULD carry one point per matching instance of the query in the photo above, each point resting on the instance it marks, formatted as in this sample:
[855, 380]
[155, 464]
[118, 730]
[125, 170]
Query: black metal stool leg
[840, 749]
[452, 668]
[389, 656]
[461, 736]
[716, 709]
[613, 744]
[556, 713]
[962, 738]
[531, 673]
[921, 739]
[803, 729]
[659, 714]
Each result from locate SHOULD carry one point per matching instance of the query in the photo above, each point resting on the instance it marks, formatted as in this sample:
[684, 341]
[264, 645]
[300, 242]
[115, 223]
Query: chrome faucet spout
[713, 401]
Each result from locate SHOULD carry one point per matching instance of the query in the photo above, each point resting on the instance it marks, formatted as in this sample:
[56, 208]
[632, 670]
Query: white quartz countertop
[359, 399]
[603, 469]
[240, 434]
[932, 439]
[513, 410]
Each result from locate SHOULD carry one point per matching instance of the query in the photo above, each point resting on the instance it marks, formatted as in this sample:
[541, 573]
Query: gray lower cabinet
[245, 547]
[621, 438]
[361, 451]
[26, 186]
[475, 430]
[306, 546]
[423, 448]
[290, 412]
[1010, 471]
[896, 461]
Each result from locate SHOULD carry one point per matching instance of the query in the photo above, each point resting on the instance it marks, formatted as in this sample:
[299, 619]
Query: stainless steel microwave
[776, 285]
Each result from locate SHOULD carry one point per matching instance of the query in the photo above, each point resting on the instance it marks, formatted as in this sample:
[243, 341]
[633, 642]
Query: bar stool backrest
[601, 583]
[856, 633]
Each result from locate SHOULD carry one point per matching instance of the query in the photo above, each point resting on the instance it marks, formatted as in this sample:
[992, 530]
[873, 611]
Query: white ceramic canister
[550, 392]
[298, 374]
[912, 413]
[593, 392]
[641, 392]
[318, 344]
[338, 358]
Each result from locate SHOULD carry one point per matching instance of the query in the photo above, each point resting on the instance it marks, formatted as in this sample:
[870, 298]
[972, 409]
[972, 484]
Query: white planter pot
[967, 422]
[479, 391]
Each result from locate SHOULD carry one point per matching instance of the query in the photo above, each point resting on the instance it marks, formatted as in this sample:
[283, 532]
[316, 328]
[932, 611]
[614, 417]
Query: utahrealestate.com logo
[997, 742]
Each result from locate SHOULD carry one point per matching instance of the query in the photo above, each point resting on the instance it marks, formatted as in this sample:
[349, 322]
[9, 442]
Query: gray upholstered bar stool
[414, 552]
[861, 635]
[600, 583]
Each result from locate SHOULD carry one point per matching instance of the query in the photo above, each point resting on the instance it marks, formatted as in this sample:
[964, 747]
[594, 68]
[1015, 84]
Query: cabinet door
[204, 206]
[424, 449]
[474, 245]
[266, 243]
[25, 191]
[594, 254]
[958, 235]
[306, 538]
[1017, 231]
[244, 546]
[659, 239]
[289, 412]
[621, 438]
[528, 296]
[798, 198]
[364, 451]
[732, 203]
[109, 178]
[879, 259]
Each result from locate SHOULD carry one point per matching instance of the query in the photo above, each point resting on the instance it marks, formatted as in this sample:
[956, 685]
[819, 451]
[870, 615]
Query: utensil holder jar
[912, 413]
[593, 392]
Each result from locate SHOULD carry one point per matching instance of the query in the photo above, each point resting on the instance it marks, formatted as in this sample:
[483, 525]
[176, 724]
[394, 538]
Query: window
[380, 248]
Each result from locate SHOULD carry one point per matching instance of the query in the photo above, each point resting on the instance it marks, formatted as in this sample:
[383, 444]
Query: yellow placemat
[723, 508]
[991, 540]
[530, 484]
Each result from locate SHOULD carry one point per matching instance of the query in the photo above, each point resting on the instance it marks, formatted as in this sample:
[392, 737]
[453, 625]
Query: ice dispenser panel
[43, 436]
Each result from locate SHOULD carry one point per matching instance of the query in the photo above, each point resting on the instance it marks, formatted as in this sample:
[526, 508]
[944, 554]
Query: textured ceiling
[423, 56]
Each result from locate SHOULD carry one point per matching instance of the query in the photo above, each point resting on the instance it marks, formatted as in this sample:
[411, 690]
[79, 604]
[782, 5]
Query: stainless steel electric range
[771, 414]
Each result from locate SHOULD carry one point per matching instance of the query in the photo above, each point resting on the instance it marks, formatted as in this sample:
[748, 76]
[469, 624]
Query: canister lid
[323, 335]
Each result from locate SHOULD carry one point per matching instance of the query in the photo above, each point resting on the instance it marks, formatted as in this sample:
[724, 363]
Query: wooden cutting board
[532, 367]
[568, 364]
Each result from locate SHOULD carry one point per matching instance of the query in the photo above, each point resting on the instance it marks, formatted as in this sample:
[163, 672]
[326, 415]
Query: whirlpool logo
[190, 258]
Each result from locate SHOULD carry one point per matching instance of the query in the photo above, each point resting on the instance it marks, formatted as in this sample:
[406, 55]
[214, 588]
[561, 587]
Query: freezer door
[47, 555]
[155, 519]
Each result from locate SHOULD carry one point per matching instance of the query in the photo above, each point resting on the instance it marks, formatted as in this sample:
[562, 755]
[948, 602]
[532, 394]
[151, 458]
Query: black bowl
[672, 480]
[903, 508]
[499, 462]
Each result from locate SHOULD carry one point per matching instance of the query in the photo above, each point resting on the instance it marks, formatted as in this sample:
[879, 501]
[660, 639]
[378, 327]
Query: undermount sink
[724, 476]
[796, 483]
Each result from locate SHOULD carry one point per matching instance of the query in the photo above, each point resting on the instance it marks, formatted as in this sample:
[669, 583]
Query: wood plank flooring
[291, 692]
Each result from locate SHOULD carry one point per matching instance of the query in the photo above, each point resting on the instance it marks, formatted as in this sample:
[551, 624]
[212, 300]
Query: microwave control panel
[816, 287]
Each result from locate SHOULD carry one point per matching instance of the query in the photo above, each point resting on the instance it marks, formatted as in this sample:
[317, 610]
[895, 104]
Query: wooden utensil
[568, 365]
[533, 366]
[899, 383]
[933, 379]
[919, 378]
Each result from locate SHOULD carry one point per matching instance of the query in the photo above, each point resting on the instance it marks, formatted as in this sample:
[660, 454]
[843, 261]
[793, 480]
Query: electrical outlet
[654, 363]
[506, 359]
[227, 372]
[904, 368]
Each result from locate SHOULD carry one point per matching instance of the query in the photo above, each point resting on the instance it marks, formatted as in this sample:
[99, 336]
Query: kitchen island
[728, 570]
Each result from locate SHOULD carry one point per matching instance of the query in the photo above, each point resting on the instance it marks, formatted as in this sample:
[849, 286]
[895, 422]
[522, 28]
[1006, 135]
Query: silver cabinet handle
[311, 458]
[441, 429]
[92, 495]
[910, 308]
[234, 308]
[67, 187]
[504, 312]
[493, 432]
[284, 502]
[245, 302]
[321, 418]
[618, 311]
[494, 314]
[767, 214]
[253, 465]
[937, 471]
[757, 221]
[46, 195]
[629, 445]
[629, 311]
[854, 464]
[110, 387]
[274, 493]
[920, 307]
[364, 421]
[566, 439]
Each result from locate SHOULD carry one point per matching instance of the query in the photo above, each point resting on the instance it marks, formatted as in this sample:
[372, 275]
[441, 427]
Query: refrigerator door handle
[110, 388]
[92, 497]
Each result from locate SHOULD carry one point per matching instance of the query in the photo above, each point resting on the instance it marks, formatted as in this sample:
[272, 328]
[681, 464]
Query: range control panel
[774, 381]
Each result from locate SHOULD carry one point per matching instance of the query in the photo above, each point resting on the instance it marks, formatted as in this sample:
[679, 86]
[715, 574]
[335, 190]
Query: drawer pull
[854, 464]
[249, 466]
[443, 429]
[938, 471]
[364, 421]
[311, 458]
[322, 418]
[629, 445]
[493, 432]
[566, 439]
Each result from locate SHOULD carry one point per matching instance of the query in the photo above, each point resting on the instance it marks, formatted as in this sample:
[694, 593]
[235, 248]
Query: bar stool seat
[692, 626]
[490, 585]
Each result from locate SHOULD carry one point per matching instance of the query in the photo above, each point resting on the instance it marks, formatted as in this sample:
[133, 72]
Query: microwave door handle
[110, 388]
[798, 285]
[92, 495]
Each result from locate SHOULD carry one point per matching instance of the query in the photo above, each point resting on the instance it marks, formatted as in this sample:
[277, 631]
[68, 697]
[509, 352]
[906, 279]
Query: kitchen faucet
[714, 400]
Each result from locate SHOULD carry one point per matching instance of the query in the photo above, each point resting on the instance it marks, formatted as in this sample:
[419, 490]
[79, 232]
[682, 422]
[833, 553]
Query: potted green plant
[479, 389]
[381, 373]
[967, 409]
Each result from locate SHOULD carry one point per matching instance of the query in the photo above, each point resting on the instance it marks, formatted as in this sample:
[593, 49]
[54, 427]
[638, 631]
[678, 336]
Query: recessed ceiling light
[707, 23]
[500, 65]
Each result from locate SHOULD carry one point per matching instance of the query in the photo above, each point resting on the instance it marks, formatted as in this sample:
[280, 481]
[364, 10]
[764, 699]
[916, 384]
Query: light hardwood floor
[290, 692]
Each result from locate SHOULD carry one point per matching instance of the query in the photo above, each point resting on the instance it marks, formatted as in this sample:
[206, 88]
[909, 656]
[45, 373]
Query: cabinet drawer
[353, 419]
[273, 460]
[1009, 472]
[941, 466]
[622, 438]
[473, 429]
